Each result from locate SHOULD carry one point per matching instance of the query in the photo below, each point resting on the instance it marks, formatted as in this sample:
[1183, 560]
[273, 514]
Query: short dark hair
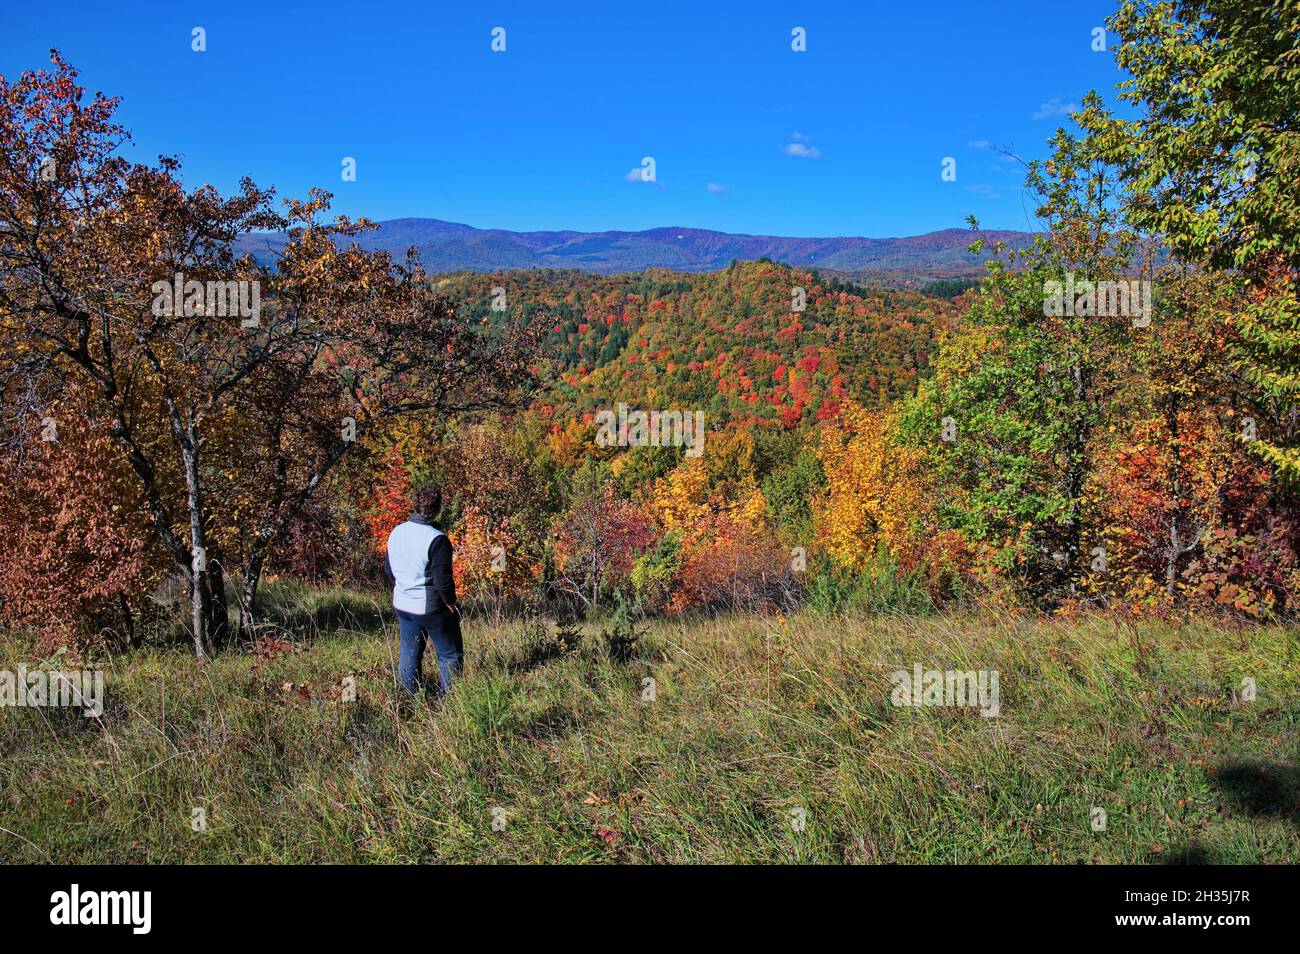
[426, 500]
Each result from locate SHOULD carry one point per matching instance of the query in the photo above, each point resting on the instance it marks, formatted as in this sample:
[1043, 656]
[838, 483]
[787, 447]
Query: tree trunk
[219, 620]
[207, 588]
[1171, 564]
[1179, 517]
[208, 616]
[128, 621]
[199, 615]
[1076, 475]
[248, 599]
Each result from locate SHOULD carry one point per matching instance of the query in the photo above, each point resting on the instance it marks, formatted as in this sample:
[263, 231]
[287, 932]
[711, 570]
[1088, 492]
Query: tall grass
[750, 725]
[881, 587]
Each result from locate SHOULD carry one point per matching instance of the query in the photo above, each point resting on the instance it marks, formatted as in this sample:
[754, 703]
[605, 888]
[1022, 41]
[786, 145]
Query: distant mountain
[450, 247]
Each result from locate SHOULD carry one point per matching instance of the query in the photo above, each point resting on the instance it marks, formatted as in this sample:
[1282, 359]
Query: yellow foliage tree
[681, 499]
[874, 492]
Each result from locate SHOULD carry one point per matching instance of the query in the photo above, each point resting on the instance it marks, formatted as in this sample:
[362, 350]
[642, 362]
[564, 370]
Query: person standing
[418, 562]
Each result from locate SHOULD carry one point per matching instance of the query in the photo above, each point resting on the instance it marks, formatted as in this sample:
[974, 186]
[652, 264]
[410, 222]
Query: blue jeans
[443, 629]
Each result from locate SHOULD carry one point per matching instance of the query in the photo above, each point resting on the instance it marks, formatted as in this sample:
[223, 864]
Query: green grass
[1140, 721]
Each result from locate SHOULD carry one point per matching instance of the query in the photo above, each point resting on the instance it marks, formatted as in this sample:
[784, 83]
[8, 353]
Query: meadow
[760, 739]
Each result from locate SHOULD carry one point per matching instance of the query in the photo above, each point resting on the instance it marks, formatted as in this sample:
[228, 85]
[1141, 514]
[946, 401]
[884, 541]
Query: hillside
[727, 342]
[450, 246]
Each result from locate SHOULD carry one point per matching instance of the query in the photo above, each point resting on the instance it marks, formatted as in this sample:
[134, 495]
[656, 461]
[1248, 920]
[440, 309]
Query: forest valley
[879, 449]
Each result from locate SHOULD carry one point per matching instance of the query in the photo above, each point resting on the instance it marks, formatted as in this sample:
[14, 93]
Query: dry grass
[753, 721]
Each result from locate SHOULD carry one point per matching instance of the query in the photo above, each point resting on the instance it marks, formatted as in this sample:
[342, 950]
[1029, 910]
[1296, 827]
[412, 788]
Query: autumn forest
[1101, 432]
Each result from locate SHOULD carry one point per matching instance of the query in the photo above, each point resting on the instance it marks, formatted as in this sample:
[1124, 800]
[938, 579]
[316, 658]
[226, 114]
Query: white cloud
[1054, 107]
[634, 175]
[800, 137]
[978, 143]
[801, 150]
[716, 189]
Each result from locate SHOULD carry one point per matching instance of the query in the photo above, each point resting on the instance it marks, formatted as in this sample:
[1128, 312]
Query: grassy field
[755, 725]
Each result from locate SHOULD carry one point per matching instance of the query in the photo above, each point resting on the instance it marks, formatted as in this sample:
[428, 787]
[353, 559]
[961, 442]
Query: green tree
[1211, 165]
[1022, 385]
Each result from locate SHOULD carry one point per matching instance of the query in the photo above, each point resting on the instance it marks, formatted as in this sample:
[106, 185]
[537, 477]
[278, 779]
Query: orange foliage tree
[263, 378]
[76, 554]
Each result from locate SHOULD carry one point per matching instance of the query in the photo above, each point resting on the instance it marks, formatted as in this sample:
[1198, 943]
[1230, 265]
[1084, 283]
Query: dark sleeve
[440, 570]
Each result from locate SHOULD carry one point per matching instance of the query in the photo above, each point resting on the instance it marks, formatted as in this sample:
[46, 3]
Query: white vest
[408, 558]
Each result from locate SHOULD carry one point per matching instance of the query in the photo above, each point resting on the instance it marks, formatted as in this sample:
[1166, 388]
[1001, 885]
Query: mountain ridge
[454, 246]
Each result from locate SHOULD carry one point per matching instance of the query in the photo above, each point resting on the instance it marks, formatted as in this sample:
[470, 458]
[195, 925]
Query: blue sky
[747, 135]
